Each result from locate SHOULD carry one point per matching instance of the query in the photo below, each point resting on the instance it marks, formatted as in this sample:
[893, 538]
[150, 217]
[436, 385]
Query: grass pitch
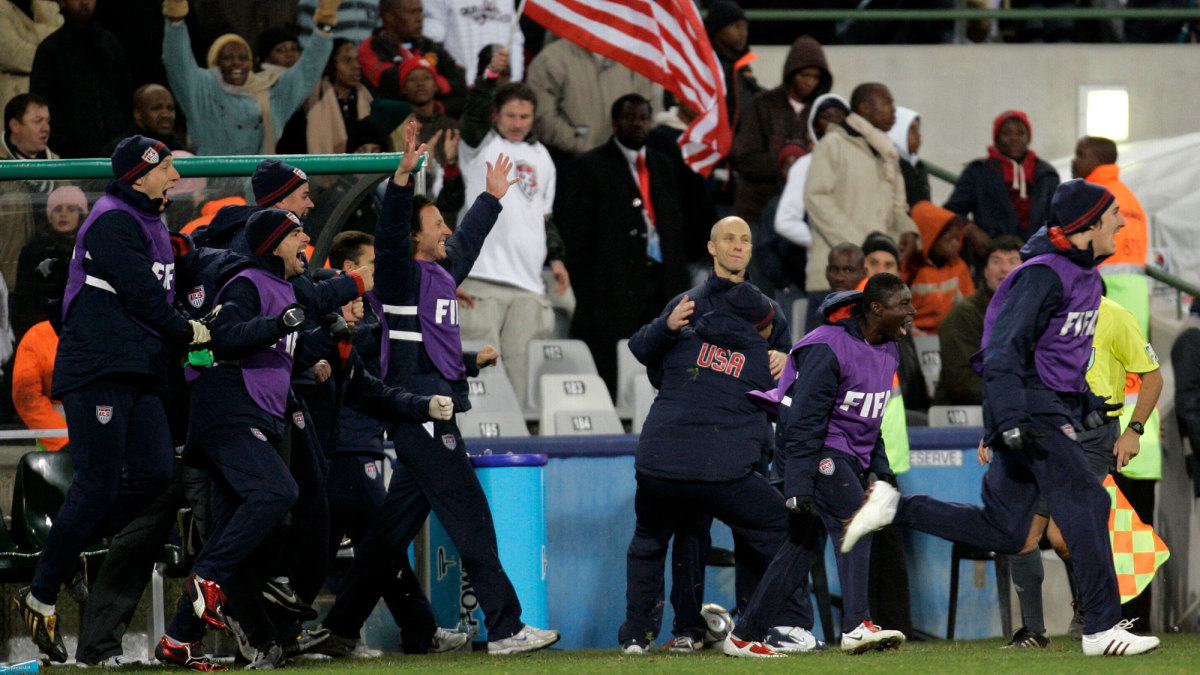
[1177, 654]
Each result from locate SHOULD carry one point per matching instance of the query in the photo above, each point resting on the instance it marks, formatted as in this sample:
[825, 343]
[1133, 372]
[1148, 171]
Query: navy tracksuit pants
[433, 471]
[667, 508]
[356, 496]
[123, 457]
[838, 494]
[1054, 468]
[252, 491]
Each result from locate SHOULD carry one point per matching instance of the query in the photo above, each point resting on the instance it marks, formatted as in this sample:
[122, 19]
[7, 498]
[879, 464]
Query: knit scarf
[1017, 181]
[257, 86]
[879, 142]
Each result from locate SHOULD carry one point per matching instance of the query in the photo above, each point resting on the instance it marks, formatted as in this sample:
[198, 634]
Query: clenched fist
[441, 408]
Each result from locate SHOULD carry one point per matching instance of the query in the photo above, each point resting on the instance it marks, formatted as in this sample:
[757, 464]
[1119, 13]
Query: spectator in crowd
[468, 26]
[961, 331]
[26, 136]
[399, 39]
[339, 101]
[23, 26]
[854, 186]
[620, 214]
[356, 19]
[698, 206]
[153, 116]
[65, 209]
[1007, 192]
[790, 220]
[1152, 30]
[82, 70]
[278, 49]
[1124, 272]
[768, 121]
[418, 80]
[33, 369]
[906, 136]
[230, 109]
[1038, 30]
[880, 254]
[729, 32]
[782, 263]
[844, 269]
[937, 275]
[575, 89]
[506, 301]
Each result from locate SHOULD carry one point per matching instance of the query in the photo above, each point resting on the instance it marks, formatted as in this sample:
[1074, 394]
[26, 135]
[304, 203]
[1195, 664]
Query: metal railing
[242, 166]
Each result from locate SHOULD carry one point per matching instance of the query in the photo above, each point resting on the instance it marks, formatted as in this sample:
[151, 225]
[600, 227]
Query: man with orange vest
[33, 370]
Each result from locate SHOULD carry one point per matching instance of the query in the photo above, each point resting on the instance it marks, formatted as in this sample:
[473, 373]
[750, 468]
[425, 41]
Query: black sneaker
[181, 654]
[339, 647]
[1025, 638]
[43, 628]
[280, 593]
[1075, 630]
[306, 641]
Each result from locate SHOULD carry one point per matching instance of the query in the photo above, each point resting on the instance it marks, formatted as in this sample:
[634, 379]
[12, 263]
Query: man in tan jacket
[854, 185]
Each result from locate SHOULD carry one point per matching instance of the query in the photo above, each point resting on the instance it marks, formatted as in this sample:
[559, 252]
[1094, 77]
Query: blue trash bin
[513, 485]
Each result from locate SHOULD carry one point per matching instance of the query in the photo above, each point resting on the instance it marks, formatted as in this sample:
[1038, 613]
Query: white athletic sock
[39, 606]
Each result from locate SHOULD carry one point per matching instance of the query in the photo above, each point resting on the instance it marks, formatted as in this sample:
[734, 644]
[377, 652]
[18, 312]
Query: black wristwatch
[1137, 428]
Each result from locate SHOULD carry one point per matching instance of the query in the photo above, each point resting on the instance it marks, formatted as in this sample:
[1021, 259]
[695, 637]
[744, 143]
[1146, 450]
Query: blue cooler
[513, 485]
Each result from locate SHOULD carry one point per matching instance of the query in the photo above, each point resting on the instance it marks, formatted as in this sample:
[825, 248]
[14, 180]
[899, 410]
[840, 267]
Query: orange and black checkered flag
[1137, 551]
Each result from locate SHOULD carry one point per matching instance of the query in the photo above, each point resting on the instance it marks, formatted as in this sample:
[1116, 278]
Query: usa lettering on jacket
[721, 360]
[869, 405]
[1080, 323]
[446, 309]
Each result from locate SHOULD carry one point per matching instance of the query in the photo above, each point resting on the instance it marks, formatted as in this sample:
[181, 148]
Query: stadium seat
[585, 423]
[16, 563]
[494, 411]
[797, 319]
[643, 398]
[572, 392]
[492, 424]
[961, 552]
[956, 416]
[550, 357]
[629, 370]
[929, 351]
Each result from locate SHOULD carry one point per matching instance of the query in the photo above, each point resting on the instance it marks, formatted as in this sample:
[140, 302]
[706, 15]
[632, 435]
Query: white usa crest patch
[104, 414]
[826, 467]
[449, 441]
[150, 156]
[371, 469]
[258, 434]
[196, 297]
[298, 418]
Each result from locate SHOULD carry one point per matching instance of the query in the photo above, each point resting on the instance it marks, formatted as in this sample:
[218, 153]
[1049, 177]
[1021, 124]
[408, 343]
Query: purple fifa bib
[864, 388]
[1065, 348]
[268, 373]
[158, 248]
[438, 313]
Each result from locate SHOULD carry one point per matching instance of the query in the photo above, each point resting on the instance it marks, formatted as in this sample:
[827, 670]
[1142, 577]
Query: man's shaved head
[727, 221]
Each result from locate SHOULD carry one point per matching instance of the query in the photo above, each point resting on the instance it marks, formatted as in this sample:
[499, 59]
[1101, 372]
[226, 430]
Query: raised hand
[413, 149]
[678, 318]
[499, 61]
[441, 407]
[488, 356]
[450, 146]
[497, 176]
[367, 274]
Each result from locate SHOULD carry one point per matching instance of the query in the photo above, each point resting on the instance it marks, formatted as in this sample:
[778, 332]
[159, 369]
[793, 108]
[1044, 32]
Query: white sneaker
[1118, 641]
[876, 514]
[635, 648]
[446, 640]
[681, 644]
[868, 637]
[790, 639]
[737, 647]
[528, 639]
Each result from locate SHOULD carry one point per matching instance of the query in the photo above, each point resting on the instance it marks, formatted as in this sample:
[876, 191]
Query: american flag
[663, 40]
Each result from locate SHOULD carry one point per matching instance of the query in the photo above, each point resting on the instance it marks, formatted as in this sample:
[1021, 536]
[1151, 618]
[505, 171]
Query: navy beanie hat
[749, 303]
[136, 156]
[720, 14]
[1077, 205]
[878, 241]
[267, 228]
[273, 180]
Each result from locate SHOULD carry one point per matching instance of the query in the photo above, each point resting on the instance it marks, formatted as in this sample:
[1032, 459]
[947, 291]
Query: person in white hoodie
[790, 221]
[906, 136]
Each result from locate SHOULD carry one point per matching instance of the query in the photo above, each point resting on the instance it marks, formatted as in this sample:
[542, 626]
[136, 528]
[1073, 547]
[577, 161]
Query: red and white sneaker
[186, 654]
[1118, 641]
[737, 647]
[207, 600]
[868, 637]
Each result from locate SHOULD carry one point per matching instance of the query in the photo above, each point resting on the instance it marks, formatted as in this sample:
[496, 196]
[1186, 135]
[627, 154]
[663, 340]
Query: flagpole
[512, 30]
